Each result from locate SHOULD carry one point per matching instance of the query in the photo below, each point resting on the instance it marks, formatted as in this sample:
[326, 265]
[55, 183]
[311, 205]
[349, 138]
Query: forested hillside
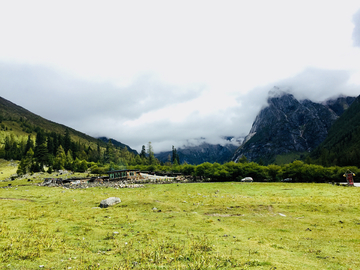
[40, 143]
[342, 145]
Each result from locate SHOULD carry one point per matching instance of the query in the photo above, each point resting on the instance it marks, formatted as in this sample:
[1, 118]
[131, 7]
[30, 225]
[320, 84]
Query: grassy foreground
[182, 226]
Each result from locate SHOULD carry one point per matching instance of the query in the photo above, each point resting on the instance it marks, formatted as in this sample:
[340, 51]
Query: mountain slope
[342, 145]
[288, 125]
[23, 122]
[118, 144]
[28, 121]
[204, 152]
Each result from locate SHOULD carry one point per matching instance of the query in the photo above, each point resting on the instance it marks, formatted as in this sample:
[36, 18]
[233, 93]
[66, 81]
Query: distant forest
[51, 151]
[42, 150]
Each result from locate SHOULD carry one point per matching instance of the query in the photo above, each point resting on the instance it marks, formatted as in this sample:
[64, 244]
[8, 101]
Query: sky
[173, 72]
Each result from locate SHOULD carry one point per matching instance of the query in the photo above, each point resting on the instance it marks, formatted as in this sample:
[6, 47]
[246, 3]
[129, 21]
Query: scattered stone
[109, 202]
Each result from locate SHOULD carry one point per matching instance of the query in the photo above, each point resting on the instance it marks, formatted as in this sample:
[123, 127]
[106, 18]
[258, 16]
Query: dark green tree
[175, 156]
[60, 159]
[67, 141]
[243, 159]
[29, 144]
[41, 155]
[109, 155]
[26, 163]
[143, 152]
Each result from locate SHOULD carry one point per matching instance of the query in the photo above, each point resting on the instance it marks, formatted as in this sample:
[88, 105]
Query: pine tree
[50, 144]
[26, 163]
[69, 160]
[67, 141]
[60, 159]
[175, 156]
[29, 144]
[98, 152]
[109, 155]
[143, 152]
[41, 155]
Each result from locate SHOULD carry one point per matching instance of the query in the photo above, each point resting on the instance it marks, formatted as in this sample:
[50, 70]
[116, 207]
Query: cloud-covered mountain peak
[278, 92]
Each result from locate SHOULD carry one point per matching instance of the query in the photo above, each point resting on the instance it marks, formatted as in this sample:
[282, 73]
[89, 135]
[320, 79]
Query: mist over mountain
[204, 152]
[288, 125]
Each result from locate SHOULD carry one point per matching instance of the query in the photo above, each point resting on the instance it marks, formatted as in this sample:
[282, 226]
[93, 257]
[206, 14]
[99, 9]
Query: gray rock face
[288, 125]
[109, 202]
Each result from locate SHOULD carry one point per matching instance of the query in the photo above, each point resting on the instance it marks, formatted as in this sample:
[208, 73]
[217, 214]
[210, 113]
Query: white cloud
[356, 31]
[166, 71]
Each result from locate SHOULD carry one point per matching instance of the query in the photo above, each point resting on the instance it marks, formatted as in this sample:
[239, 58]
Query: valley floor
[182, 226]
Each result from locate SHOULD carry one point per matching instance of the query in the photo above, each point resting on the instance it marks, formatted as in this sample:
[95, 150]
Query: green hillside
[22, 122]
[40, 143]
[342, 145]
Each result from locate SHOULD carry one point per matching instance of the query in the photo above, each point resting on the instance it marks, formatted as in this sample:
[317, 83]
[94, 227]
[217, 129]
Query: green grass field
[7, 169]
[182, 226]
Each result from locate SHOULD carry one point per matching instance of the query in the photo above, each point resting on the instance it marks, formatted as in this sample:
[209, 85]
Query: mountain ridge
[288, 125]
[342, 146]
[28, 121]
[203, 152]
[117, 144]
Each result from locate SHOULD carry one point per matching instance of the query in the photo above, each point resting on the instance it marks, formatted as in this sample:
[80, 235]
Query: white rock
[109, 202]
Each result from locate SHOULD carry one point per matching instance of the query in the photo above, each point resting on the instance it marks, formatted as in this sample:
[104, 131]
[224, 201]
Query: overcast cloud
[172, 72]
[356, 32]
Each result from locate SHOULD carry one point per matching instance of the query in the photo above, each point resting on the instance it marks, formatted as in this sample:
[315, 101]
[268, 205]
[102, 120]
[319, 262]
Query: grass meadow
[181, 226]
[7, 169]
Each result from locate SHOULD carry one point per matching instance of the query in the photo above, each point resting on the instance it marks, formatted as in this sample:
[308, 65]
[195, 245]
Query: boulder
[109, 202]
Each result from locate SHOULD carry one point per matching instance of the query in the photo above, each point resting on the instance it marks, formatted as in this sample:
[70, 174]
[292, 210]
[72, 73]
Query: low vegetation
[182, 226]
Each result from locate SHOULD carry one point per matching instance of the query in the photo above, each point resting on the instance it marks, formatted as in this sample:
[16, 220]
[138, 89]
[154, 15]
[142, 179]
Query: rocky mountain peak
[288, 125]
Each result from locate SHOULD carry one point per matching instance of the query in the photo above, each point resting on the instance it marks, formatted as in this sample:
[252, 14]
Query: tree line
[297, 171]
[55, 151]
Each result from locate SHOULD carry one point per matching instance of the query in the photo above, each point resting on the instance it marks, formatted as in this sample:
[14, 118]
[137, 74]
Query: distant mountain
[289, 126]
[342, 145]
[201, 153]
[118, 144]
